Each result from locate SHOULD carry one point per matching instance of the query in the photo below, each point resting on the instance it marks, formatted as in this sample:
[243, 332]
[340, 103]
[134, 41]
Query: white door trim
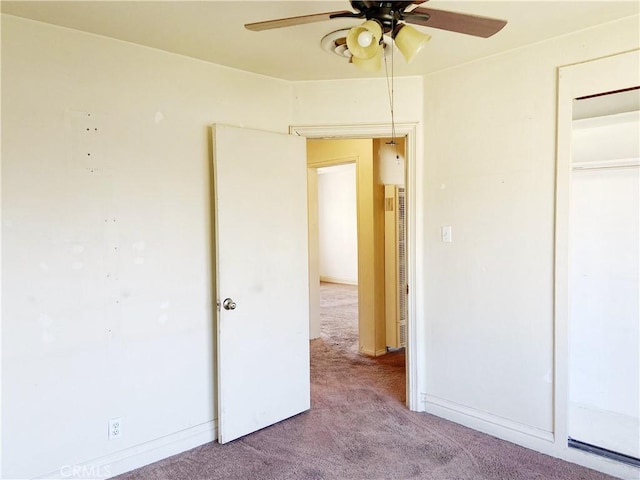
[415, 304]
[598, 76]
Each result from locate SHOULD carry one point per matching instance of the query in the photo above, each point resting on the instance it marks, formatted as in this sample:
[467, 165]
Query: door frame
[415, 351]
[602, 75]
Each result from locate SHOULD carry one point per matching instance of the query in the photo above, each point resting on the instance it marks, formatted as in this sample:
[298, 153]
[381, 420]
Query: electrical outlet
[115, 428]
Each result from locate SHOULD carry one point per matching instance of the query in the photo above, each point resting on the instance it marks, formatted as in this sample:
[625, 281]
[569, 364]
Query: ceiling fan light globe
[372, 64]
[369, 29]
[410, 41]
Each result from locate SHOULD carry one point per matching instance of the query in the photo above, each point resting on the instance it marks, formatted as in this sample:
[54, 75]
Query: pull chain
[391, 92]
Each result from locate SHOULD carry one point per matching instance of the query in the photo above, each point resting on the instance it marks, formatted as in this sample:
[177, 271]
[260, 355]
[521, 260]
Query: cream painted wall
[357, 101]
[337, 224]
[107, 288]
[490, 139]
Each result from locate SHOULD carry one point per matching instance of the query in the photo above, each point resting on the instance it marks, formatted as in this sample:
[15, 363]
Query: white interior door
[260, 210]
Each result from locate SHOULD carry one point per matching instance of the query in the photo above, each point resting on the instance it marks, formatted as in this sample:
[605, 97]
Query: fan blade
[456, 22]
[291, 21]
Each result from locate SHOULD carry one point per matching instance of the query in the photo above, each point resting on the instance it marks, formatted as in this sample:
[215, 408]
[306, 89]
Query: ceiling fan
[365, 42]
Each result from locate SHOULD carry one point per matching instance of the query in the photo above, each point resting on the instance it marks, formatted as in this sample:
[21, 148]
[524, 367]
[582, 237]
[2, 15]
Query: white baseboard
[516, 432]
[138, 456]
[524, 435]
[338, 280]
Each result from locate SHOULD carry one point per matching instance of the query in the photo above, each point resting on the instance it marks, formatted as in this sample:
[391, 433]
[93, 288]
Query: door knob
[229, 304]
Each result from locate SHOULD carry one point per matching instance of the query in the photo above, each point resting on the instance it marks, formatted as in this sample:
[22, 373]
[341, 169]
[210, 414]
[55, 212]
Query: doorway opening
[604, 326]
[372, 331]
[360, 236]
[337, 240]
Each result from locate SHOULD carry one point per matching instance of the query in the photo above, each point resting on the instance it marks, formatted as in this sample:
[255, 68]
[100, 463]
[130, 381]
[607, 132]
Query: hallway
[336, 352]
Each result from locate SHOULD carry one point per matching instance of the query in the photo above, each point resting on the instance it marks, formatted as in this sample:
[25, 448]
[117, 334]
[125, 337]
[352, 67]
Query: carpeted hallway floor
[359, 428]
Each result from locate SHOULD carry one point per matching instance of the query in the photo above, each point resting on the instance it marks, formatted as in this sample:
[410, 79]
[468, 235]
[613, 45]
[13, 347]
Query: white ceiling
[213, 30]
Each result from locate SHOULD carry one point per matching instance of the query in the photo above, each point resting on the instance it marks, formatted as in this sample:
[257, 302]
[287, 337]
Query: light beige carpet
[359, 428]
